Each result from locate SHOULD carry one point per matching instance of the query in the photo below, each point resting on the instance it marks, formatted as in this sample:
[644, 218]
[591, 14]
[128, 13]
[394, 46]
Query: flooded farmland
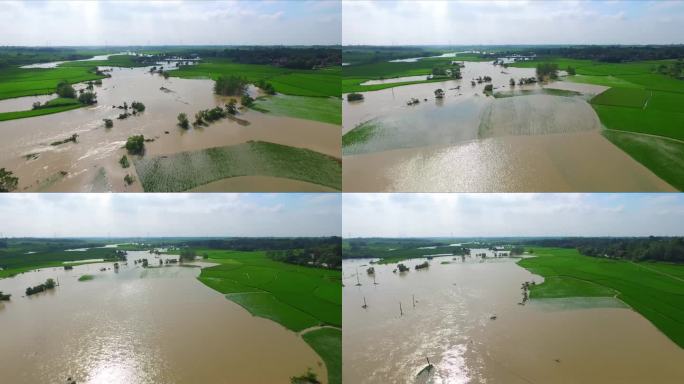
[140, 325]
[467, 321]
[535, 137]
[91, 164]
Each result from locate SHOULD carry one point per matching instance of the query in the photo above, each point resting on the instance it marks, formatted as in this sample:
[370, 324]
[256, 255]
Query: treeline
[669, 249]
[13, 56]
[371, 54]
[318, 251]
[608, 54]
[287, 57]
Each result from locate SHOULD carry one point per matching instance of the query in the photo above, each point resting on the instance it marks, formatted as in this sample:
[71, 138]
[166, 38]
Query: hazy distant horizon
[121, 215]
[483, 215]
[512, 22]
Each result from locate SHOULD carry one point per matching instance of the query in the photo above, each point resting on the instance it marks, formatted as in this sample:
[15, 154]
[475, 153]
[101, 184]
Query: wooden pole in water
[414, 300]
[401, 311]
[364, 303]
[358, 283]
[374, 282]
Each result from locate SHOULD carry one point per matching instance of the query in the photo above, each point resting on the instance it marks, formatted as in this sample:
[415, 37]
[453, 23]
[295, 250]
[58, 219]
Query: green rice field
[294, 296]
[652, 289]
[323, 109]
[187, 170]
[53, 106]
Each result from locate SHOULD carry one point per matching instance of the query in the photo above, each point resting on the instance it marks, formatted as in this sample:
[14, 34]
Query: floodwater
[140, 326]
[550, 341]
[468, 142]
[91, 165]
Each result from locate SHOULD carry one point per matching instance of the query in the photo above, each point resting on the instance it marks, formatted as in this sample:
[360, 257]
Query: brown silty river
[545, 341]
[91, 165]
[536, 140]
[140, 326]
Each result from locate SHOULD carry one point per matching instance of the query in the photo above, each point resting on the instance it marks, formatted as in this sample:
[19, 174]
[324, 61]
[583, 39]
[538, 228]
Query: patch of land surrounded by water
[288, 97]
[502, 106]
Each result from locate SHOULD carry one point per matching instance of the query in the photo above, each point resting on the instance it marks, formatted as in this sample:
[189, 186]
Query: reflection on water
[452, 325]
[468, 142]
[140, 326]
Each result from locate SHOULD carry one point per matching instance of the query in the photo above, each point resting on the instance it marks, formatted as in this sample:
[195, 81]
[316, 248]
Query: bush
[124, 162]
[246, 100]
[129, 179]
[108, 123]
[231, 107]
[138, 106]
[354, 97]
[136, 144]
[88, 98]
[230, 86]
[183, 121]
[489, 88]
[64, 89]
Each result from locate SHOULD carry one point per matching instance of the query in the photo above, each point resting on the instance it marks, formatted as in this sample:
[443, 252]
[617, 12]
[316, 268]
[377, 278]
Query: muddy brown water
[92, 163]
[140, 326]
[468, 142]
[547, 341]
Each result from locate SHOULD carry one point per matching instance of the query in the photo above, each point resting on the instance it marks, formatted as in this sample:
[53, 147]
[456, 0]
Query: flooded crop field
[91, 164]
[140, 325]
[463, 314]
[529, 137]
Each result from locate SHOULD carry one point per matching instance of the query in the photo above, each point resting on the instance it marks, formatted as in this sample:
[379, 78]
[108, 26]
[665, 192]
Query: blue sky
[177, 214]
[513, 22]
[513, 214]
[299, 22]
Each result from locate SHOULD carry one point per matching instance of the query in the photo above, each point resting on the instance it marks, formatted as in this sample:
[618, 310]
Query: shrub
[354, 97]
[64, 89]
[183, 121]
[108, 123]
[246, 100]
[136, 144]
[129, 179]
[124, 162]
[230, 85]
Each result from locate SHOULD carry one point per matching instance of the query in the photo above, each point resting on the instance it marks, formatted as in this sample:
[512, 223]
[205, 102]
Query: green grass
[294, 296]
[639, 101]
[15, 260]
[324, 109]
[656, 293]
[53, 106]
[664, 157]
[327, 342]
[18, 82]
[359, 135]
[318, 83]
[187, 170]
[86, 278]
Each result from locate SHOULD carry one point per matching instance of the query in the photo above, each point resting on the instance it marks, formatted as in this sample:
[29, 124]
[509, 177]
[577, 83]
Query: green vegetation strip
[323, 82]
[652, 289]
[58, 106]
[16, 259]
[324, 109]
[86, 278]
[187, 170]
[294, 296]
[327, 342]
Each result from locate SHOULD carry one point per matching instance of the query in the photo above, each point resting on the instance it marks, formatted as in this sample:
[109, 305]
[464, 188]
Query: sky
[167, 22]
[512, 22]
[173, 214]
[512, 214]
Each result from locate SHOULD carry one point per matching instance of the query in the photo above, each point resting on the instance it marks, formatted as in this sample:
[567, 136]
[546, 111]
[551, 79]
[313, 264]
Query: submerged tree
[88, 98]
[64, 89]
[183, 121]
[108, 123]
[246, 101]
[136, 144]
[231, 107]
[439, 93]
[230, 85]
[8, 182]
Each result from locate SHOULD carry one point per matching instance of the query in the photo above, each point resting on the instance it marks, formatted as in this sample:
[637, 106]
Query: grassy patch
[18, 259]
[187, 170]
[655, 295]
[324, 109]
[294, 296]
[53, 106]
[86, 278]
[359, 135]
[662, 156]
[623, 97]
[327, 342]
[319, 83]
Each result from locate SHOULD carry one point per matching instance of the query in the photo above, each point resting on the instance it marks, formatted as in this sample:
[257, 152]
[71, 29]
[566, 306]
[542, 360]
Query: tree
[108, 123]
[88, 98]
[488, 88]
[439, 93]
[138, 106]
[246, 101]
[512, 83]
[231, 107]
[136, 144]
[8, 182]
[571, 71]
[187, 254]
[545, 70]
[183, 121]
[354, 97]
[230, 85]
[124, 162]
[50, 283]
[129, 179]
[64, 89]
